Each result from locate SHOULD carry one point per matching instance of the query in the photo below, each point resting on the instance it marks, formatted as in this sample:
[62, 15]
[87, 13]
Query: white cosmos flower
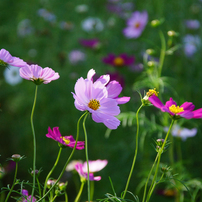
[12, 75]
[91, 24]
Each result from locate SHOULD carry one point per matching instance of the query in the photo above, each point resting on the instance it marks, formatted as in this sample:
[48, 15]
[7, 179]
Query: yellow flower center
[176, 109]
[151, 92]
[137, 25]
[94, 104]
[118, 61]
[66, 140]
[3, 63]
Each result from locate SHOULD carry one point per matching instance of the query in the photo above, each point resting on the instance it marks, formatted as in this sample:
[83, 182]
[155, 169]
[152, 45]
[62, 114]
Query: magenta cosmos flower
[7, 59]
[100, 100]
[119, 61]
[94, 166]
[136, 24]
[27, 197]
[185, 110]
[67, 141]
[90, 43]
[38, 75]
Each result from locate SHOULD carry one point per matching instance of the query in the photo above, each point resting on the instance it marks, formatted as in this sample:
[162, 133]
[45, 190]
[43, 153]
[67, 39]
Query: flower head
[76, 56]
[67, 141]
[7, 59]
[185, 110]
[119, 61]
[38, 75]
[100, 98]
[27, 197]
[136, 24]
[92, 24]
[94, 166]
[90, 43]
[192, 24]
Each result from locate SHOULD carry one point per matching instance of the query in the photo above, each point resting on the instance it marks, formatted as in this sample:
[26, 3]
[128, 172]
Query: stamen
[118, 61]
[176, 109]
[137, 25]
[66, 140]
[94, 104]
[151, 92]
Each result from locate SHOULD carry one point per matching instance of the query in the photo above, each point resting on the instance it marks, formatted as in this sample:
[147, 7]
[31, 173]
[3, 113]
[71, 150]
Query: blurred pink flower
[185, 110]
[27, 197]
[7, 59]
[90, 43]
[64, 140]
[119, 61]
[192, 24]
[38, 75]
[136, 24]
[100, 100]
[94, 166]
[76, 56]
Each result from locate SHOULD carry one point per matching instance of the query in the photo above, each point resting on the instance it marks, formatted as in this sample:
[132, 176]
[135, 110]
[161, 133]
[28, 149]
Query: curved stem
[68, 160]
[80, 191]
[86, 151]
[51, 171]
[16, 170]
[135, 156]
[157, 166]
[34, 142]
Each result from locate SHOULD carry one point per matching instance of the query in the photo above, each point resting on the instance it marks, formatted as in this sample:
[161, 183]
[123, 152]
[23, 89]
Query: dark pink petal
[186, 114]
[170, 103]
[197, 113]
[156, 101]
[188, 106]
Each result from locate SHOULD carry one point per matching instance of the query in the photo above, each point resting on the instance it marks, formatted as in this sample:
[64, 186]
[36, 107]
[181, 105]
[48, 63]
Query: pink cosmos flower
[7, 59]
[94, 166]
[38, 75]
[120, 60]
[64, 140]
[136, 24]
[100, 100]
[27, 197]
[90, 43]
[185, 110]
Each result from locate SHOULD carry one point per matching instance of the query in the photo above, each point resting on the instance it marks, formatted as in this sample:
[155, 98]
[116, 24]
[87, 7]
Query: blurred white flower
[76, 56]
[24, 28]
[81, 8]
[12, 75]
[48, 16]
[182, 133]
[191, 44]
[192, 24]
[91, 24]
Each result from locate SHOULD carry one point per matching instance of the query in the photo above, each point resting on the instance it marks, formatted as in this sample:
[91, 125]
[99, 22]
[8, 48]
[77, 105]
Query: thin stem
[91, 190]
[68, 160]
[16, 170]
[86, 151]
[135, 156]
[80, 192]
[159, 158]
[66, 197]
[54, 198]
[39, 187]
[34, 142]
[145, 187]
[51, 171]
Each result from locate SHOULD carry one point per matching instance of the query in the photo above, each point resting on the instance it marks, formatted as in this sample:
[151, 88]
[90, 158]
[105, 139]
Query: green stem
[51, 171]
[157, 166]
[91, 190]
[86, 151]
[16, 170]
[39, 187]
[54, 198]
[135, 156]
[34, 142]
[66, 197]
[80, 192]
[68, 160]
[145, 187]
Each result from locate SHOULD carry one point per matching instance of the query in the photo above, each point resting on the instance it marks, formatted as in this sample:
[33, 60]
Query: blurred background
[52, 34]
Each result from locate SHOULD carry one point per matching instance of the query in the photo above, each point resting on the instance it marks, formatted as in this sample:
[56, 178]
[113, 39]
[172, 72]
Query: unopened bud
[155, 23]
[16, 157]
[150, 51]
[172, 33]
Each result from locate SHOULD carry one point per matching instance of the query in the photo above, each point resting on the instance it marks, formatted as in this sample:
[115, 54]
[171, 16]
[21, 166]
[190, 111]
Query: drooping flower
[38, 75]
[100, 100]
[94, 166]
[182, 133]
[136, 24]
[119, 61]
[76, 56]
[185, 110]
[67, 141]
[12, 75]
[7, 59]
[90, 43]
[92, 24]
[26, 197]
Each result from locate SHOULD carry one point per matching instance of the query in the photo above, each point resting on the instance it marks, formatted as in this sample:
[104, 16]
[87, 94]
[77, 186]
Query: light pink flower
[7, 59]
[100, 100]
[94, 166]
[38, 75]
[136, 24]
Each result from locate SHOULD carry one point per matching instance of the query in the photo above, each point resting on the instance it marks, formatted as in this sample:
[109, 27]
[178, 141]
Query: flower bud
[150, 51]
[16, 157]
[155, 23]
[172, 33]
[62, 186]
[151, 63]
